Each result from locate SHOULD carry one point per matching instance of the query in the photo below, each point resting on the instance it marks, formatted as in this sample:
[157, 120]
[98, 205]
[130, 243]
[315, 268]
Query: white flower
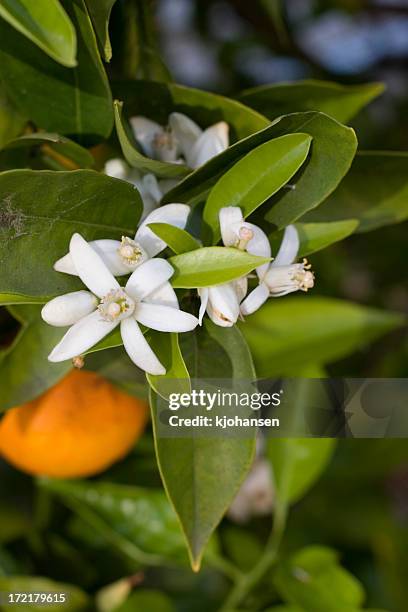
[147, 298]
[256, 495]
[125, 256]
[150, 189]
[282, 276]
[182, 137]
[222, 301]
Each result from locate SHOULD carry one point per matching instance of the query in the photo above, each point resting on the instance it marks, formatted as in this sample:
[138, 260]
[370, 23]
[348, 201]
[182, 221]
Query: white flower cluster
[181, 141]
[148, 297]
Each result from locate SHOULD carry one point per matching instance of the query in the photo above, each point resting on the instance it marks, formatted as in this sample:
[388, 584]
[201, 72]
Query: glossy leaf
[99, 11]
[212, 266]
[177, 239]
[39, 212]
[23, 378]
[67, 151]
[146, 60]
[46, 24]
[255, 178]
[332, 152]
[137, 159]
[204, 107]
[134, 519]
[375, 192]
[11, 120]
[167, 349]
[297, 462]
[81, 99]
[202, 475]
[76, 599]
[309, 329]
[317, 236]
[314, 580]
[342, 102]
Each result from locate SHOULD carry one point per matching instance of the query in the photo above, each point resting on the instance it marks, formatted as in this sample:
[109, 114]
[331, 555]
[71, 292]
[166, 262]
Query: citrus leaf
[81, 98]
[255, 178]
[212, 266]
[99, 11]
[167, 349]
[201, 476]
[177, 239]
[79, 156]
[136, 520]
[342, 102]
[25, 371]
[313, 579]
[303, 330]
[317, 236]
[46, 24]
[375, 192]
[39, 212]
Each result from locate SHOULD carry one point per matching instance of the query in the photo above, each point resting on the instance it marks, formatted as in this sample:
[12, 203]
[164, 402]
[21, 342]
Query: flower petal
[230, 218]
[145, 130]
[255, 299]
[138, 349]
[67, 309]
[164, 318]
[117, 168]
[90, 267]
[213, 140]
[174, 214]
[148, 277]
[289, 247]
[185, 130]
[240, 286]
[164, 295]
[81, 337]
[223, 305]
[107, 251]
[204, 294]
[259, 245]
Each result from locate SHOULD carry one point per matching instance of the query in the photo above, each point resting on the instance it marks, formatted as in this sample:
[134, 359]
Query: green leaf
[313, 580]
[375, 192]
[46, 24]
[287, 333]
[177, 239]
[212, 266]
[256, 177]
[342, 102]
[76, 599]
[11, 120]
[204, 107]
[202, 475]
[137, 159]
[148, 601]
[64, 147]
[297, 462]
[166, 347]
[39, 212]
[332, 152]
[99, 11]
[317, 236]
[25, 371]
[138, 521]
[81, 99]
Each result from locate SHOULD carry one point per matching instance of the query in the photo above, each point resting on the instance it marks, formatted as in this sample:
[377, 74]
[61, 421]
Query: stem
[266, 561]
[224, 566]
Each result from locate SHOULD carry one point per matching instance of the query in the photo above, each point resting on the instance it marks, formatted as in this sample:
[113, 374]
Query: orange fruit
[77, 428]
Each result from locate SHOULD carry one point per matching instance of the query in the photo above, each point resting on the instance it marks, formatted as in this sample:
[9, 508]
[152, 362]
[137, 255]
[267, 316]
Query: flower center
[303, 276]
[163, 139]
[131, 253]
[245, 235]
[116, 306]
